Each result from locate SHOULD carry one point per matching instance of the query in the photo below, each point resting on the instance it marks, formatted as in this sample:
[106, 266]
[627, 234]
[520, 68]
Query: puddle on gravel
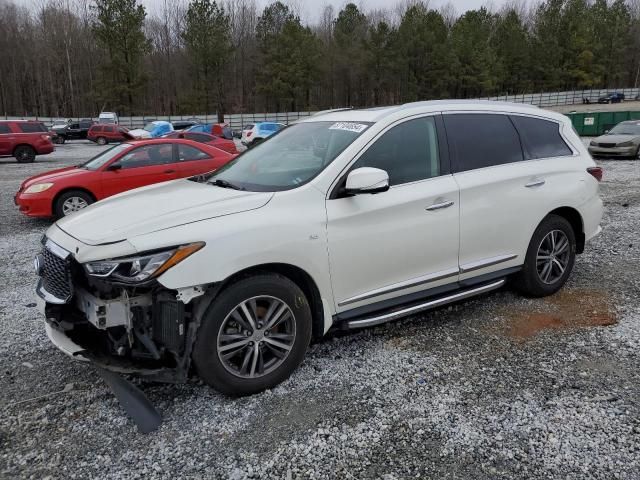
[565, 310]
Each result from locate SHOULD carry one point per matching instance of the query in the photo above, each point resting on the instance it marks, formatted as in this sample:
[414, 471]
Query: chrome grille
[56, 272]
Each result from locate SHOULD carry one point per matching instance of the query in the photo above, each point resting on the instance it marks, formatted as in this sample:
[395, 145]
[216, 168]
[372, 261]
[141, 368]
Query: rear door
[502, 191]
[6, 139]
[144, 165]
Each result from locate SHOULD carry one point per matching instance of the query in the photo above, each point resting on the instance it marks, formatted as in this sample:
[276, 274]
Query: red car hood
[53, 175]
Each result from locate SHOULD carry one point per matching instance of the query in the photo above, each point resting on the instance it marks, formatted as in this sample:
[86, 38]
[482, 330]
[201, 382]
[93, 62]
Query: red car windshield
[102, 158]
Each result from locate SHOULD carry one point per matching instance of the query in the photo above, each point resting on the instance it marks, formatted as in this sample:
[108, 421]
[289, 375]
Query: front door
[141, 166]
[404, 240]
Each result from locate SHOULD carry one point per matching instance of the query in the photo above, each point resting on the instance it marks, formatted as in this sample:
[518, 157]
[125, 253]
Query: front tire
[550, 258]
[70, 202]
[101, 141]
[24, 154]
[253, 336]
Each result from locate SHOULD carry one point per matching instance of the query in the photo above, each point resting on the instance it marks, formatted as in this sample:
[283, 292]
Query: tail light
[249, 133]
[596, 172]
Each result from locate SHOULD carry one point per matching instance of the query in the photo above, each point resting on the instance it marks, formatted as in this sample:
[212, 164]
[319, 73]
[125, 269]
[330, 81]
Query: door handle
[535, 183]
[438, 206]
[169, 171]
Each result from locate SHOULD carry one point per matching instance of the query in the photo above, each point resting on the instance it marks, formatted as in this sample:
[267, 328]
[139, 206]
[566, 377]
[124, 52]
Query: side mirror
[367, 180]
[114, 167]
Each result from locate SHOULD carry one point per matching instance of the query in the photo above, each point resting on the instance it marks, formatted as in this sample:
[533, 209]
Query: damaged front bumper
[146, 331]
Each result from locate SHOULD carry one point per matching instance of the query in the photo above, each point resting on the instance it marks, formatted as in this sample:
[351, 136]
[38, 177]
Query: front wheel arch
[70, 189]
[298, 276]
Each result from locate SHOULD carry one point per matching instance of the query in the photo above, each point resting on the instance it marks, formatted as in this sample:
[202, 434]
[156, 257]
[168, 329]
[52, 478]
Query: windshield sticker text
[351, 127]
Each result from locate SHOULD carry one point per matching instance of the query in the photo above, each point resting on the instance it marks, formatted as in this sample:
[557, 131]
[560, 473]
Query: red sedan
[214, 140]
[123, 167]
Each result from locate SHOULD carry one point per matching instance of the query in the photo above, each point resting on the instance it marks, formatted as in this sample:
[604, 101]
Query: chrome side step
[387, 317]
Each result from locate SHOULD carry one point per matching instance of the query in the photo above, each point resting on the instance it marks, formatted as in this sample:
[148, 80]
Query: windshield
[290, 158]
[102, 158]
[626, 129]
[149, 127]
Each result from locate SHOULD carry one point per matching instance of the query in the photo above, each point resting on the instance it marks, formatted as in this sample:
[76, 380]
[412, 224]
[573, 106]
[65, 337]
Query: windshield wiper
[218, 182]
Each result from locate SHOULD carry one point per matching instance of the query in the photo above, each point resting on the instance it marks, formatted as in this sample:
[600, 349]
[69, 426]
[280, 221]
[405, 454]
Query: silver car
[623, 140]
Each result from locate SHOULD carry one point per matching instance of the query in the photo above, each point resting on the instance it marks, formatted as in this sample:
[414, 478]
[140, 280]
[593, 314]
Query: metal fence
[239, 120]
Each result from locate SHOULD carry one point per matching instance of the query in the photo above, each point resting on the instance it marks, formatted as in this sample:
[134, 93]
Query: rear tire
[70, 202]
[227, 341]
[550, 258]
[24, 154]
[60, 140]
[101, 141]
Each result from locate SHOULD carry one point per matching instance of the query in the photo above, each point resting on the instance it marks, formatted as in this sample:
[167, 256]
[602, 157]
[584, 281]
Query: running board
[387, 317]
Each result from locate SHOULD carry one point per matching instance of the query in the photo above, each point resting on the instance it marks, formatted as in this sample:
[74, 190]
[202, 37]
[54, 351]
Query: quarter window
[540, 138]
[408, 152]
[187, 153]
[31, 127]
[480, 140]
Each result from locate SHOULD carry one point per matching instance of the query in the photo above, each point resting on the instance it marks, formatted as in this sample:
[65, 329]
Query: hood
[139, 133]
[157, 207]
[53, 175]
[616, 138]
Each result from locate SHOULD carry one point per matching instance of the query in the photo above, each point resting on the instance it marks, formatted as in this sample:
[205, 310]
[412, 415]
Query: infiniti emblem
[38, 264]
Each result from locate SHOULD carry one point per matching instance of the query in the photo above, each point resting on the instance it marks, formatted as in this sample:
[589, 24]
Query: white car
[343, 220]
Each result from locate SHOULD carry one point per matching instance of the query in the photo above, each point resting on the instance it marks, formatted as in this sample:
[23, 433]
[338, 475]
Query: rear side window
[408, 152]
[199, 137]
[540, 138]
[479, 140]
[31, 127]
[187, 153]
[108, 129]
[4, 128]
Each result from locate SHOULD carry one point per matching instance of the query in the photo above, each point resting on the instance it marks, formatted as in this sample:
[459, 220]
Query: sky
[310, 10]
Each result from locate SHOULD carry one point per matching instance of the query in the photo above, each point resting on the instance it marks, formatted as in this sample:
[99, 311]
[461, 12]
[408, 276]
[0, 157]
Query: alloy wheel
[554, 253]
[73, 204]
[256, 337]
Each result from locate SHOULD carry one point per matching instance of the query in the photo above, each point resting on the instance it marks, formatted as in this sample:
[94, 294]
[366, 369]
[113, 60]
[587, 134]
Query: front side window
[105, 157]
[479, 140]
[4, 128]
[408, 152]
[540, 138]
[148, 155]
[290, 158]
[187, 153]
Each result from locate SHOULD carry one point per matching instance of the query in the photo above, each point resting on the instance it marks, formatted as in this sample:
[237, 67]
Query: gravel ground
[496, 387]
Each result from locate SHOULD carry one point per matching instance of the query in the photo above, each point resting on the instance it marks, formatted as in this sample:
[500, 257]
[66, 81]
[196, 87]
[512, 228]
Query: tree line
[78, 57]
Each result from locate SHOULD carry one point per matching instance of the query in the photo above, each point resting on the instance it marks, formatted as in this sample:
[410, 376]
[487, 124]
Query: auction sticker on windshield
[351, 127]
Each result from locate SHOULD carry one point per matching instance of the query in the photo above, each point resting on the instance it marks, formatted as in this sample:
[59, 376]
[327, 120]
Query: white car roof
[399, 111]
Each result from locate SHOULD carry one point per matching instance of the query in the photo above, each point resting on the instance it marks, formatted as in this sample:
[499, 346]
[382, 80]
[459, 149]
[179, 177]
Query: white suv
[343, 220]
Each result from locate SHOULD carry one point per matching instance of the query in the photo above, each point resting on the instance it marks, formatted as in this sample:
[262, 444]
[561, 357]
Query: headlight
[142, 267]
[38, 187]
[625, 144]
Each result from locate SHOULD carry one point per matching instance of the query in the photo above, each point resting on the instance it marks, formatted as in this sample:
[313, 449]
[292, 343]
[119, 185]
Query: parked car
[341, 221]
[60, 122]
[623, 140]
[612, 98]
[24, 139]
[219, 142]
[257, 132]
[154, 129]
[103, 134]
[108, 117]
[73, 131]
[221, 130]
[123, 167]
[183, 124]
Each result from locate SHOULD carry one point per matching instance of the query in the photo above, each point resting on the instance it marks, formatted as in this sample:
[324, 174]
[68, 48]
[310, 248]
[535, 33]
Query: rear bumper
[33, 205]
